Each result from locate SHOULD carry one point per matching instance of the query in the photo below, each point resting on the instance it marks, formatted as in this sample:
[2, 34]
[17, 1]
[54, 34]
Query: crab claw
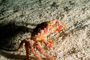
[60, 28]
[61, 25]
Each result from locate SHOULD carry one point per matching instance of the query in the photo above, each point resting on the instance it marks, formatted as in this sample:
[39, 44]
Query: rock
[18, 18]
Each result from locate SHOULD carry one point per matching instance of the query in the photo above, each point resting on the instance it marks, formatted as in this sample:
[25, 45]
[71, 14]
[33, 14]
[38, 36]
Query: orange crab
[39, 36]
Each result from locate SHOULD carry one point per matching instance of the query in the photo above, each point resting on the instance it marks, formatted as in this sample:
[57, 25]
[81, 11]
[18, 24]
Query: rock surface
[18, 18]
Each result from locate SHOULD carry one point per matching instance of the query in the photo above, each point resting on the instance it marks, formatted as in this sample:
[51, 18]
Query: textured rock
[18, 18]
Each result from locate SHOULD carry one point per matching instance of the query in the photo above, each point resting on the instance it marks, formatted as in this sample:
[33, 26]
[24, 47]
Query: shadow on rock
[8, 33]
[11, 55]
[14, 56]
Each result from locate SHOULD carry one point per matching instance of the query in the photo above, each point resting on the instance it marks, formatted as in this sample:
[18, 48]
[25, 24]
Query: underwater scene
[44, 29]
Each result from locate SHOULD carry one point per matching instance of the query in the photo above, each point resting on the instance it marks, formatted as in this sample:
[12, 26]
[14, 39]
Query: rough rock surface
[18, 18]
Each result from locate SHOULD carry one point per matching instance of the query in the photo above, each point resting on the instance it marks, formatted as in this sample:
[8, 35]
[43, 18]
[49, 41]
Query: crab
[39, 36]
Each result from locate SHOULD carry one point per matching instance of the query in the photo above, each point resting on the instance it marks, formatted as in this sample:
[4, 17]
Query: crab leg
[21, 44]
[26, 46]
[41, 50]
[34, 52]
[27, 50]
